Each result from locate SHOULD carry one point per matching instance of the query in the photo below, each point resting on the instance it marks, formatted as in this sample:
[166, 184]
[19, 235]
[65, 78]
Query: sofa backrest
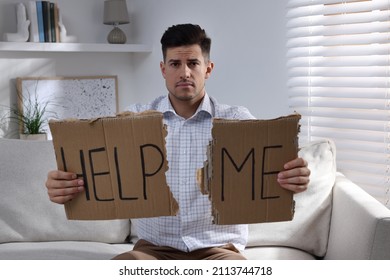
[27, 214]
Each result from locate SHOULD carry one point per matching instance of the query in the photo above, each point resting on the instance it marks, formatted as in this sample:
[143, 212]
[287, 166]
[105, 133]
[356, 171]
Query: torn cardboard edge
[240, 173]
[122, 161]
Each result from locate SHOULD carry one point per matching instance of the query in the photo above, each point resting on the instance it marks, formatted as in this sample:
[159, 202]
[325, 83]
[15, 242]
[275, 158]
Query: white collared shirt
[186, 145]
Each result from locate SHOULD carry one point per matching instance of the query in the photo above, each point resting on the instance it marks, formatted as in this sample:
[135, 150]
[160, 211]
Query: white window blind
[339, 81]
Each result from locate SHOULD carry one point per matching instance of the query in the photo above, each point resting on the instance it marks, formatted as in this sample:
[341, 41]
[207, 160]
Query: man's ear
[209, 69]
[162, 68]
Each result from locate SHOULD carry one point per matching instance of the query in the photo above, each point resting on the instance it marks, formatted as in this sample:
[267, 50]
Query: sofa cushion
[309, 229]
[62, 250]
[275, 253]
[27, 214]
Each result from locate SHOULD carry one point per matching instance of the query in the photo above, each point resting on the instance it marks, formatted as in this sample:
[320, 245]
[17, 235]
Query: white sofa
[334, 219]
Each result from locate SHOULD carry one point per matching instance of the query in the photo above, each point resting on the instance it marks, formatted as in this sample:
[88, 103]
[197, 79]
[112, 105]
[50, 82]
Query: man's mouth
[184, 84]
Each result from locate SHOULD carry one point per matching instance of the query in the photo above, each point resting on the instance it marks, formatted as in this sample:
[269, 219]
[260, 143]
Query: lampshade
[115, 12]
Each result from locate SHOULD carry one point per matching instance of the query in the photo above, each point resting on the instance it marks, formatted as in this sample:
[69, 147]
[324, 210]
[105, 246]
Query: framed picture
[70, 97]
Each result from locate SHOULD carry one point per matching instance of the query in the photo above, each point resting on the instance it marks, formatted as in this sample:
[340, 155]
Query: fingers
[298, 162]
[296, 176]
[61, 175]
[295, 185]
[63, 186]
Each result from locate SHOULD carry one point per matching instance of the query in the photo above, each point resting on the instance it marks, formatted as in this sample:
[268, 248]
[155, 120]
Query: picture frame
[77, 97]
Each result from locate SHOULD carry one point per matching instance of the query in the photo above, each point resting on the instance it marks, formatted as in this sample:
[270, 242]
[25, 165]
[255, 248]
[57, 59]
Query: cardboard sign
[240, 174]
[122, 161]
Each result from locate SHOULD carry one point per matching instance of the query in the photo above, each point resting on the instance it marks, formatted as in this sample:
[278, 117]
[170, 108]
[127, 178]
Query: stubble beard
[188, 95]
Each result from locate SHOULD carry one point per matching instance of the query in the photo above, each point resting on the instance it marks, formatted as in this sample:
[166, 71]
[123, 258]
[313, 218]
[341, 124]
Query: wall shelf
[73, 47]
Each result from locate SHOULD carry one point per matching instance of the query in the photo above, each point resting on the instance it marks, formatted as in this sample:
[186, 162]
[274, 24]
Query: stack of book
[44, 21]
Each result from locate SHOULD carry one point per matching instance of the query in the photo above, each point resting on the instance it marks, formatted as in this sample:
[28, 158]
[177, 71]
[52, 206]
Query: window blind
[338, 61]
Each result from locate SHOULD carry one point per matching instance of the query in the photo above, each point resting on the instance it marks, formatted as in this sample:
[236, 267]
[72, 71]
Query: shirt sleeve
[243, 113]
[234, 112]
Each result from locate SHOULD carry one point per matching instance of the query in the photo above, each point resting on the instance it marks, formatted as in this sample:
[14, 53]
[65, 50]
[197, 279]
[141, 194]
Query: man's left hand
[295, 176]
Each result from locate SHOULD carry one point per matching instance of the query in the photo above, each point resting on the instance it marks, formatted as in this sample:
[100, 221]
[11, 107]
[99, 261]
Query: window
[339, 81]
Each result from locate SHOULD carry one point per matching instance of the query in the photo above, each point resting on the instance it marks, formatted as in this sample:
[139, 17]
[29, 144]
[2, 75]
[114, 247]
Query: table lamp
[115, 13]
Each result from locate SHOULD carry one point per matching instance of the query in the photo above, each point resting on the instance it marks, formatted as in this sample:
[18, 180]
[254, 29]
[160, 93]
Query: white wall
[248, 50]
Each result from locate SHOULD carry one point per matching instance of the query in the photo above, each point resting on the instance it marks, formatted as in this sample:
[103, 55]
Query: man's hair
[185, 35]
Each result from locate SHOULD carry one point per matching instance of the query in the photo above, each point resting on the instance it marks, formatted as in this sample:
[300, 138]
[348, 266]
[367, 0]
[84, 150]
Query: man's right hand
[63, 186]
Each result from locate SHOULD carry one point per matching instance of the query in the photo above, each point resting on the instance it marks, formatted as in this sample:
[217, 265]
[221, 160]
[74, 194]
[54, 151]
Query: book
[31, 8]
[41, 31]
[52, 23]
[46, 20]
[56, 22]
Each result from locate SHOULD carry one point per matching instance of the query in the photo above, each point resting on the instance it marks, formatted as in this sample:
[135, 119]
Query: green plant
[30, 113]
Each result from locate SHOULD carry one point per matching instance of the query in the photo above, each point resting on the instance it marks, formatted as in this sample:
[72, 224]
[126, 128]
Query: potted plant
[32, 116]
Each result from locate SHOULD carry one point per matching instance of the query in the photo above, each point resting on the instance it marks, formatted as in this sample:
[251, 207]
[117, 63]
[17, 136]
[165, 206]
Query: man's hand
[63, 186]
[295, 176]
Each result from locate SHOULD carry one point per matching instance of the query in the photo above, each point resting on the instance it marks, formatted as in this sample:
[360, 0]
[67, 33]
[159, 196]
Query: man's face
[185, 71]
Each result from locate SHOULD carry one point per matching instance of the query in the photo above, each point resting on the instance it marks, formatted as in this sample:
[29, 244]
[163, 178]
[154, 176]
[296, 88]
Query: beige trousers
[144, 250]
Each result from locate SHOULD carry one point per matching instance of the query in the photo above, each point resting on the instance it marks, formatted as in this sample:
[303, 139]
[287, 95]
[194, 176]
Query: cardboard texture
[123, 163]
[240, 175]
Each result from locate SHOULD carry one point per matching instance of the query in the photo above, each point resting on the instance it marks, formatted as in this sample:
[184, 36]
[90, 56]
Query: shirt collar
[207, 106]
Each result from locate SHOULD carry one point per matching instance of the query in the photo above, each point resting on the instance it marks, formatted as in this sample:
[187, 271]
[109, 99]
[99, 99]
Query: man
[188, 112]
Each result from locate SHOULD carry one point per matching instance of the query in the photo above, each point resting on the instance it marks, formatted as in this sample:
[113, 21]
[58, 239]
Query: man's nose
[185, 72]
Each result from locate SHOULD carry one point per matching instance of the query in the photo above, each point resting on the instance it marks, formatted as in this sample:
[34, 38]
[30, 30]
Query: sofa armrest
[360, 225]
